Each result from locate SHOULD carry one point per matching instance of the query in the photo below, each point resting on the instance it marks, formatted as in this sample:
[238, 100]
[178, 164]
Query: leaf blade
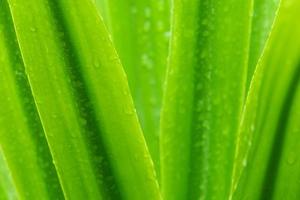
[140, 32]
[22, 136]
[264, 13]
[202, 103]
[255, 148]
[75, 105]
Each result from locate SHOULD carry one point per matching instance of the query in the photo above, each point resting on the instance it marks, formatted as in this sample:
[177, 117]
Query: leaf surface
[140, 31]
[264, 13]
[288, 173]
[7, 188]
[83, 101]
[23, 142]
[264, 121]
[204, 97]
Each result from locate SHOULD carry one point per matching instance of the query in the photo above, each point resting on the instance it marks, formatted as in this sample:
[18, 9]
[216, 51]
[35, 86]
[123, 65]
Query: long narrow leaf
[204, 97]
[262, 131]
[22, 138]
[264, 13]
[83, 100]
[140, 31]
[7, 188]
[288, 173]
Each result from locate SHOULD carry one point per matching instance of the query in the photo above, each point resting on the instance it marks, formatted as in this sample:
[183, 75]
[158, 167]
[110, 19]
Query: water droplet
[83, 121]
[204, 21]
[167, 34]
[208, 75]
[206, 124]
[160, 26]
[96, 64]
[32, 29]
[205, 33]
[147, 25]
[291, 158]
[147, 62]
[249, 143]
[252, 128]
[113, 58]
[133, 10]
[18, 73]
[124, 92]
[199, 144]
[199, 86]
[153, 100]
[182, 110]
[203, 54]
[244, 162]
[128, 110]
[147, 12]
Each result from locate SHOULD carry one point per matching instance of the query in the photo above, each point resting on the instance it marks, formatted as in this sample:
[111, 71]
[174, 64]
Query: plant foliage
[149, 99]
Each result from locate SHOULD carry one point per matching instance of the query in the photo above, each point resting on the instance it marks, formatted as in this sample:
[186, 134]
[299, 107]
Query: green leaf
[264, 13]
[103, 7]
[7, 188]
[288, 173]
[268, 105]
[83, 101]
[140, 31]
[204, 97]
[22, 138]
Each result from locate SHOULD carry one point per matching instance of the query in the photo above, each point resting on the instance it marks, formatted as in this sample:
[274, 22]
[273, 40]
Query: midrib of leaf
[204, 97]
[258, 135]
[264, 13]
[22, 138]
[140, 30]
[83, 101]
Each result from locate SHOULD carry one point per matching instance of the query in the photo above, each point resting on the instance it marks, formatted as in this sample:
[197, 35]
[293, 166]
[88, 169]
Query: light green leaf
[22, 138]
[140, 31]
[103, 7]
[264, 13]
[204, 97]
[83, 101]
[288, 169]
[7, 188]
[265, 116]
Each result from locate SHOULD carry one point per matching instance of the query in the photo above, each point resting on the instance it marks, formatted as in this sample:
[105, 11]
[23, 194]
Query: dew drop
[147, 25]
[133, 10]
[167, 34]
[205, 21]
[244, 162]
[252, 128]
[160, 26]
[96, 64]
[128, 110]
[32, 29]
[147, 12]
[291, 158]
[83, 122]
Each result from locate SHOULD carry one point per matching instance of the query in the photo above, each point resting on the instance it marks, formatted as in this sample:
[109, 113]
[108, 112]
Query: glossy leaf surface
[267, 110]
[140, 31]
[77, 83]
[204, 97]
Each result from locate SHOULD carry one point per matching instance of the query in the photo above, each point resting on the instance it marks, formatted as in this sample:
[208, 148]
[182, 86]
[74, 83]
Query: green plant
[215, 85]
